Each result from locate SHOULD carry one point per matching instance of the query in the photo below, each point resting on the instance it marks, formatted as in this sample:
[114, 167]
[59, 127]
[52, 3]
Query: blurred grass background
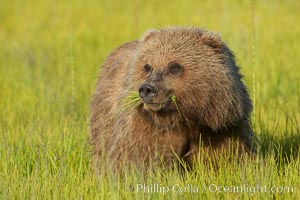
[51, 53]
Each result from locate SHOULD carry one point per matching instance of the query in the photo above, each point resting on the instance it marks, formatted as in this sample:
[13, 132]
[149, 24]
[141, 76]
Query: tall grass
[50, 53]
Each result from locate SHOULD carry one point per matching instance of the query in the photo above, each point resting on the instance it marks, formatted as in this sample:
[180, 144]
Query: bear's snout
[147, 91]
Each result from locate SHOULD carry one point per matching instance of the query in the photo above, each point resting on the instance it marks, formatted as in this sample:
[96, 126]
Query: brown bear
[194, 67]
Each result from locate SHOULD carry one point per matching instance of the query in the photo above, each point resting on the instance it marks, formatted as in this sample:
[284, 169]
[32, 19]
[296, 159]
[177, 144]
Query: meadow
[51, 53]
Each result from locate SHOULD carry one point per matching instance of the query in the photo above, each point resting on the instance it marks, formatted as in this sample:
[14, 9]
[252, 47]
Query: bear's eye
[147, 68]
[175, 68]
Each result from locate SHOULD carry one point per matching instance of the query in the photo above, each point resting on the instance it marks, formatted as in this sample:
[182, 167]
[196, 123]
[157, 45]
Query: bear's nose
[147, 91]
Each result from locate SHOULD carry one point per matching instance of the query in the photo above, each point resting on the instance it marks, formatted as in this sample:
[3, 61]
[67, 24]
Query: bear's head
[190, 73]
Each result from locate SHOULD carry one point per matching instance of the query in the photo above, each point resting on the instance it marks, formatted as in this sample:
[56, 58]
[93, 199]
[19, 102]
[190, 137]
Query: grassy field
[50, 55]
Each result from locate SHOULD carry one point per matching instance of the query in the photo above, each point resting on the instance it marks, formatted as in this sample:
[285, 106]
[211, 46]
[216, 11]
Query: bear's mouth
[157, 106]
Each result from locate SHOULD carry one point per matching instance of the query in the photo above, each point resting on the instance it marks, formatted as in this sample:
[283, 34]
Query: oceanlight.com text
[245, 188]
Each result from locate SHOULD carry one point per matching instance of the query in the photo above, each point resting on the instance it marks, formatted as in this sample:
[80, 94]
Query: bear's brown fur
[212, 109]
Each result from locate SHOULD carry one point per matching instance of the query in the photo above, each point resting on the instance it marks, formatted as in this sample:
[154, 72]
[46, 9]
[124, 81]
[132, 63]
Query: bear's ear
[212, 39]
[148, 34]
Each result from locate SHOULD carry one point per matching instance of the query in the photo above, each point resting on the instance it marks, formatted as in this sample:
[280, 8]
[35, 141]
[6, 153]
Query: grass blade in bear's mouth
[131, 101]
